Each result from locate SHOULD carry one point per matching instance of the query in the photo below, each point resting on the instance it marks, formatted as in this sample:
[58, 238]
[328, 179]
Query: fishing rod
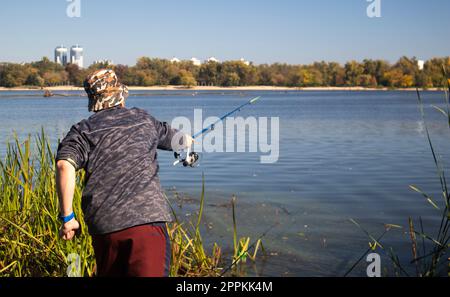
[211, 127]
[190, 159]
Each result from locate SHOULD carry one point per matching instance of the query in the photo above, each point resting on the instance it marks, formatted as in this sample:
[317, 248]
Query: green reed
[29, 242]
[428, 260]
[429, 250]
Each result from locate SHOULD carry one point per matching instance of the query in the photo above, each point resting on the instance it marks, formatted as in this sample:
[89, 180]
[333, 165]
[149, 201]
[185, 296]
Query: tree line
[405, 73]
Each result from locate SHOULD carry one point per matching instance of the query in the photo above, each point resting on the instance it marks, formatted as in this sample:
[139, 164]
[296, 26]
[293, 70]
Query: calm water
[342, 155]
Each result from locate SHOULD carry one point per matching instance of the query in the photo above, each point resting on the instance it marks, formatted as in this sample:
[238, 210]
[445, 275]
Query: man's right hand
[181, 141]
[188, 141]
[69, 229]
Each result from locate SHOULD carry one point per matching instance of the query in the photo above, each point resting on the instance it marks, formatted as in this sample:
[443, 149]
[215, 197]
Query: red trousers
[141, 251]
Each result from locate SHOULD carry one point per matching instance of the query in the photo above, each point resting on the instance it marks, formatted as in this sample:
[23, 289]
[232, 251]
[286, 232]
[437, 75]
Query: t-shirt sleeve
[74, 148]
[165, 135]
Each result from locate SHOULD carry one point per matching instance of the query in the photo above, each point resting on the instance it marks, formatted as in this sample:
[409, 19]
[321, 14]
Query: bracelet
[67, 218]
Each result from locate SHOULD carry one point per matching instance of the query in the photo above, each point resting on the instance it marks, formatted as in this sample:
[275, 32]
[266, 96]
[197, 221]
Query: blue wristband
[67, 218]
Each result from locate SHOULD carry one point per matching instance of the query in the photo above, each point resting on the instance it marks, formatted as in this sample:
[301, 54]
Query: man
[123, 204]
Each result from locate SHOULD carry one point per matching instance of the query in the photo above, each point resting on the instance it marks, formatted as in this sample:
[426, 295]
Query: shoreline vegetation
[163, 74]
[214, 88]
[29, 224]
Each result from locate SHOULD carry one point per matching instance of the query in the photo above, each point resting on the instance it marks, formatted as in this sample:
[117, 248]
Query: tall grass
[29, 242]
[29, 215]
[429, 251]
[428, 261]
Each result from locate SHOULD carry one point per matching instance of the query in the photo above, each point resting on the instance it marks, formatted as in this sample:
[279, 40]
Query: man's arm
[65, 186]
[171, 139]
[73, 154]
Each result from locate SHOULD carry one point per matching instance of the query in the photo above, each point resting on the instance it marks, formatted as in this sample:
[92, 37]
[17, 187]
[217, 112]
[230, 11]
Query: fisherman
[123, 204]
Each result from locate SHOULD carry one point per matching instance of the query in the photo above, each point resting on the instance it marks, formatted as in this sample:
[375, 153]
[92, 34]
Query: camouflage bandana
[104, 90]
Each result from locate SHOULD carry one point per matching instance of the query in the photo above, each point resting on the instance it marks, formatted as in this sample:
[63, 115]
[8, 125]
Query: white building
[245, 61]
[175, 60]
[196, 61]
[421, 64]
[104, 61]
[61, 55]
[76, 55]
[213, 59]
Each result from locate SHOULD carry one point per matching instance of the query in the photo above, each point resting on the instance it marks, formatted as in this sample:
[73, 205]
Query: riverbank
[213, 88]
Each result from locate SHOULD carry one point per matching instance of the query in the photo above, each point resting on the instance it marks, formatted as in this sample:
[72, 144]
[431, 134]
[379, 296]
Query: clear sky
[292, 31]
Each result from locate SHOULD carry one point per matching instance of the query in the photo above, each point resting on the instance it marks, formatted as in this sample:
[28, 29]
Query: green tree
[370, 67]
[126, 74]
[278, 79]
[209, 73]
[13, 75]
[34, 79]
[45, 65]
[336, 74]
[55, 78]
[302, 78]
[151, 71]
[353, 72]
[187, 79]
[144, 63]
[433, 70]
[145, 78]
[97, 66]
[407, 66]
[75, 75]
[393, 78]
[264, 75]
[230, 79]
[325, 74]
[368, 80]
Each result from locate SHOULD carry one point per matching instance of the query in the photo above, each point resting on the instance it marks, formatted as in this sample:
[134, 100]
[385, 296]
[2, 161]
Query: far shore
[213, 88]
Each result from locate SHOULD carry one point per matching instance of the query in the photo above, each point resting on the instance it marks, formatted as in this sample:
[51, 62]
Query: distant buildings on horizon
[421, 64]
[63, 58]
[104, 61]
[75, 57]
[198, 62]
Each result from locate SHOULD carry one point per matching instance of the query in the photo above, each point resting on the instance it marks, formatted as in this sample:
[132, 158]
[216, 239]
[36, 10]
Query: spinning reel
[187, 158]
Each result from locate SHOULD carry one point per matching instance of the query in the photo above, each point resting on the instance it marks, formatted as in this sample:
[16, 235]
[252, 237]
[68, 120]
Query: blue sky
[292, 31]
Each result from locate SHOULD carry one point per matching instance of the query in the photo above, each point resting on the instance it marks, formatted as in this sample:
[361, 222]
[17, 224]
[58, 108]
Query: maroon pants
[141, 251]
